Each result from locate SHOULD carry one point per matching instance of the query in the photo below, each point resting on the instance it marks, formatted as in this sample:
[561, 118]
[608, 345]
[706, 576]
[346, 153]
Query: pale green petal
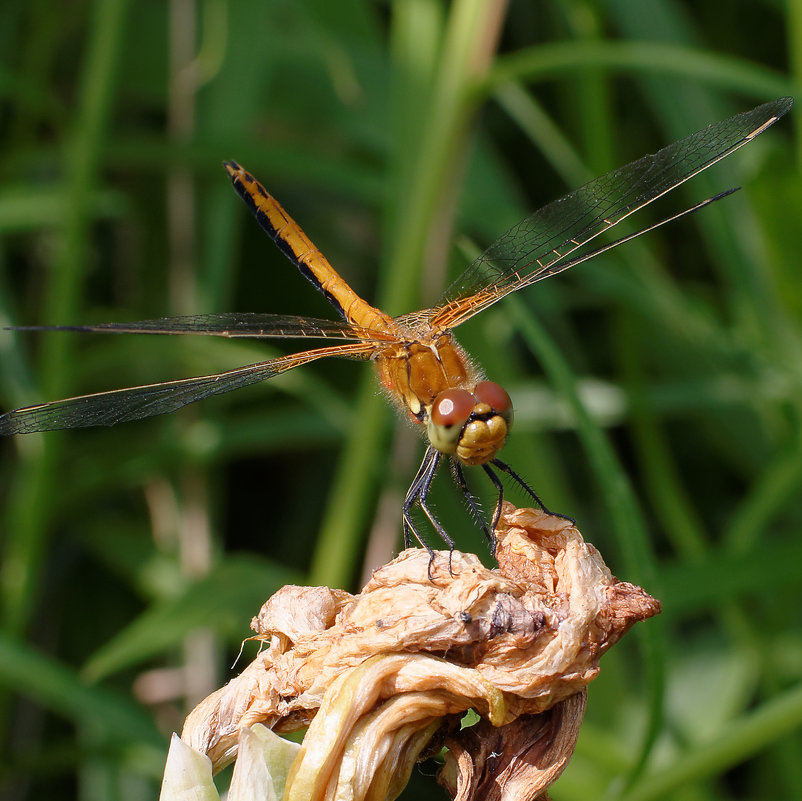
[263, 762]
[187, 775]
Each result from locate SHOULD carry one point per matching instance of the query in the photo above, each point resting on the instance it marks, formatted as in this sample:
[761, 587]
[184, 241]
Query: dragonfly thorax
[472, 426]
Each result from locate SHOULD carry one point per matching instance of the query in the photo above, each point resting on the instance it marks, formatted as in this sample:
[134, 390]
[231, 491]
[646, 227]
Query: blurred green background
[657, 388]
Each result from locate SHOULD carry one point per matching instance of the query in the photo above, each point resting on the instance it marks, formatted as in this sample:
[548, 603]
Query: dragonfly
[466, 417]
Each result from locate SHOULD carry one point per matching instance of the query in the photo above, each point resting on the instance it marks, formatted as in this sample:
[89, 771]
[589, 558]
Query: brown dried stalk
[384, 675]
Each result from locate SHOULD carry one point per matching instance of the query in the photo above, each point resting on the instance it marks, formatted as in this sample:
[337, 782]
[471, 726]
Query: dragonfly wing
[136, 403]
[534, 249]
[234, 325]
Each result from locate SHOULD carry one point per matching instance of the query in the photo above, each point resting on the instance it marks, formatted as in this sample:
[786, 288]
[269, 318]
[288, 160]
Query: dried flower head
[383, 677]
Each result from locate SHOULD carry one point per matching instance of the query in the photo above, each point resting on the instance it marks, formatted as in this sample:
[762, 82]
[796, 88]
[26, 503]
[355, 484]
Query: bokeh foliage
[657, 388]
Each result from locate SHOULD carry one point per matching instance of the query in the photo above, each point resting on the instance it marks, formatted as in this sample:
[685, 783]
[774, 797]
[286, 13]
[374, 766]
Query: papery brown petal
[298, 612]
[515, 762]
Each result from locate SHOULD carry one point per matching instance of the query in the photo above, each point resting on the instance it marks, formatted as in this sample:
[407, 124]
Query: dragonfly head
[470, 425]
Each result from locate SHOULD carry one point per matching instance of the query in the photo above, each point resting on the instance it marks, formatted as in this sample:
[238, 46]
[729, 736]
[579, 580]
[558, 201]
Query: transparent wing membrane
[233, 325]
[136, 403]
[536, 247]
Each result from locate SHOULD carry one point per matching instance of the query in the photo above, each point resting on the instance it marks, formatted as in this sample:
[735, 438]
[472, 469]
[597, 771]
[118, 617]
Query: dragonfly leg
[462, 484]
[427, 466]
[505, 468]
[499, 500]
[417, 494]
[411, 530]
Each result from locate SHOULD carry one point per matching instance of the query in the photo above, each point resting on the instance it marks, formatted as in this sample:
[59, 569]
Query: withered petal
[516, 761]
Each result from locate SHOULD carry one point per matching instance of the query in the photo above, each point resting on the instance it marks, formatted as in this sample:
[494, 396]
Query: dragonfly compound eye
[496, 397]
[471, 425]
[450, 412]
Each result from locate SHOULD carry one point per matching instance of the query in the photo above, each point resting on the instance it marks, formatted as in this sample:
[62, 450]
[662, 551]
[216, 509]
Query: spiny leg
[427, 465]
[499, 500]
[462, 484]
[422, 496]
[505, 468]
[418, 493]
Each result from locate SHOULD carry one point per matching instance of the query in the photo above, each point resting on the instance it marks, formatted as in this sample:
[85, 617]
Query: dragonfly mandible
[466, 418]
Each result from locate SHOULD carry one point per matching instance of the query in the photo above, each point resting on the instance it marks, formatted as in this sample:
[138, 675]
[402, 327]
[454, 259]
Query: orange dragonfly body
[418, 360]
[416, 363]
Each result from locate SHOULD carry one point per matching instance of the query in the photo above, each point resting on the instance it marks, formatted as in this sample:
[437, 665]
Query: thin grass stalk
[543, 132]
[680, 523]
[742, 739]
[60, 690]
[778, 484]
[590, 101]
[639, 59]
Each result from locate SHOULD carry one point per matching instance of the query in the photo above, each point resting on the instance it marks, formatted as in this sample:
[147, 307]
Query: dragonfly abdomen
[301, 251]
